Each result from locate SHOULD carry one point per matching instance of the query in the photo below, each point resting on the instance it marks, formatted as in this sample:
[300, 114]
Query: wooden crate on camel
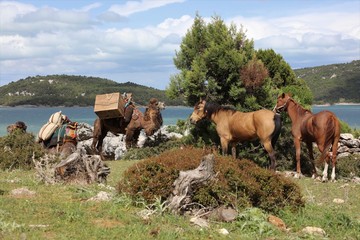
[110, 105]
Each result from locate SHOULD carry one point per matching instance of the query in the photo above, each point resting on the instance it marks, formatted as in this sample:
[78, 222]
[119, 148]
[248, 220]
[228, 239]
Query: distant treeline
[329, 84]
[65, 90]
[333, 83]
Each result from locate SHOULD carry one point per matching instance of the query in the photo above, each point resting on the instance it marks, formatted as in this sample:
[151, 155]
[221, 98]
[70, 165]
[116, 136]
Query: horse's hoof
[324, 179]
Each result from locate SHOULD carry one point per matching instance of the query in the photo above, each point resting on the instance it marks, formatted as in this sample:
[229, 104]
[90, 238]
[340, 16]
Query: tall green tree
[220, 63]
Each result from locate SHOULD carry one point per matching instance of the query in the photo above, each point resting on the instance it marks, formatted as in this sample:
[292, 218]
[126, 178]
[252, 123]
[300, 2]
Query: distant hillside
[330, 84]
[65, 90]
[333, 83]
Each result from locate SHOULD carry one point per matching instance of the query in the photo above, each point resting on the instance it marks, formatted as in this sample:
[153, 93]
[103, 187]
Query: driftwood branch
[187, 179]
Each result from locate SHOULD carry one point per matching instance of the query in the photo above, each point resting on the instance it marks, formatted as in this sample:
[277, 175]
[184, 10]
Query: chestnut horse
[323, 128]
[151, 121]
[234, 126]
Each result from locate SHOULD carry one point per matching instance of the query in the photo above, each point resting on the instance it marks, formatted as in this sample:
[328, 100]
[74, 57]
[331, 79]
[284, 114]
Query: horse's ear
[283, 95]
[290, 94]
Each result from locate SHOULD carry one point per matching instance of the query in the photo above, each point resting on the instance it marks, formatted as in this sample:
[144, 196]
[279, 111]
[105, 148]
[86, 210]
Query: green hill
[333, 83]
[330, 84]
[65, 90]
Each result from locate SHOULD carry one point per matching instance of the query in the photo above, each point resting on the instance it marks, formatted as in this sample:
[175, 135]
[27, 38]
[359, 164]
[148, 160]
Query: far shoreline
[175, 106]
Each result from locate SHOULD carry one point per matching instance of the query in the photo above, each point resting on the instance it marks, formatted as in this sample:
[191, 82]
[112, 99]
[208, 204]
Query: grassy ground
[62, 212]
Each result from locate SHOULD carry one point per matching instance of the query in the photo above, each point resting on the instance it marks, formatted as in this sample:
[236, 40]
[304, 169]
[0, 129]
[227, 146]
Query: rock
[353, 143]
[314, 231]
[22, 192]
[289, 173]
[277, 222]
[115, 146]
[223, 214]
[84, 131]
[101, 196]
[354, 150]
[200, 222]
[85, 145]
[338, 200]
[346, 136]
[341, 155]
[111, 143]
[223, 231]
[355, 179]
[342, 149]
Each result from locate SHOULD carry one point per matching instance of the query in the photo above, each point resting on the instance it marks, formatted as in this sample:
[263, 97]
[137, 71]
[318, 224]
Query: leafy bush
[239, 183]
[17, 149]
[348, 166]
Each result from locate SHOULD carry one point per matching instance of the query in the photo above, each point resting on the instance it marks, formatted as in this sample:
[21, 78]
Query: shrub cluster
[238, 183]
[17, 149]
[348, 167]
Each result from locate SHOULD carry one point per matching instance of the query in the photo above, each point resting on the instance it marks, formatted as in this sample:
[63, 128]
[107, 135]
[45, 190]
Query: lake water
[34, 118]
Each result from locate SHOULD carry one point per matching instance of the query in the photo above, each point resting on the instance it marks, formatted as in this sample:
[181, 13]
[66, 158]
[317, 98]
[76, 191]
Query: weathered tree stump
[76, 168]
[181, 194]
[82, 168]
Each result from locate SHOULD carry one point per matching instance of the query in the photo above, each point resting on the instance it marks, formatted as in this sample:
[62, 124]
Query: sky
[137, 40]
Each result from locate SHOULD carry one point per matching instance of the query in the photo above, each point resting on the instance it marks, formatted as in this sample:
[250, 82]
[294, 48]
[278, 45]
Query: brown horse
[323, 128]
[151, 121]
[234, 126]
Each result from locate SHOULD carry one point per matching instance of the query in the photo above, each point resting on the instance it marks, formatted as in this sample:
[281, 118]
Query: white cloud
[90, 7]
[53, 41]
[10, 10]
[131, 7]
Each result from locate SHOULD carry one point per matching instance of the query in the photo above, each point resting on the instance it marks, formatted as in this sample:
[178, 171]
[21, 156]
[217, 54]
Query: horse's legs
[297, 149]
[233, 150]
[312, 159]
[325, 155]
[270, 150]
[224, 145]
[334, 148]
[333, 161]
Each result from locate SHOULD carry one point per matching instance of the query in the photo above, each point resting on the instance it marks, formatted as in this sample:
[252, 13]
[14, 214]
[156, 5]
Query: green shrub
[17, 149]
[239, 183]
[348, 166]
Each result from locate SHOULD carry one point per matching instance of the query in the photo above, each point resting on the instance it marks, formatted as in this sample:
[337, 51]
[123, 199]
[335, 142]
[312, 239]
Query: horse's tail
[276, 133]
[332, 129]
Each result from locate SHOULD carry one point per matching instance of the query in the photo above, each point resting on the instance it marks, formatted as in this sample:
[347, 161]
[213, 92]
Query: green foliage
[348, 167]
[220, 63]
[17, 150]
[333, 83]
[345, 128]
[67, 90]
[253, 221]
[63, 212]
[239, 183]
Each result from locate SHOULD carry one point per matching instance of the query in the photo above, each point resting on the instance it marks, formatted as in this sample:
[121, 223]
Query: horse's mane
[214, 108]
[301, 111]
